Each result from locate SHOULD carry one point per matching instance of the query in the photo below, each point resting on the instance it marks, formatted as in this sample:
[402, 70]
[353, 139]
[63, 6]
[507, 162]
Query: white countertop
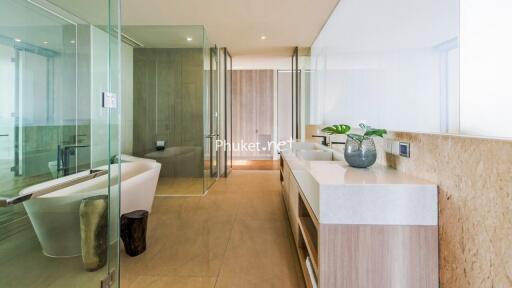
[340, 194]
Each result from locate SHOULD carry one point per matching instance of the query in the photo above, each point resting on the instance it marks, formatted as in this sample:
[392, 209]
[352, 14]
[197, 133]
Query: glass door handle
[93, 173]
[4, 135]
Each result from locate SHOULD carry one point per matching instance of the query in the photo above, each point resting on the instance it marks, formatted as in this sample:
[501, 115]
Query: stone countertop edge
[378, 195]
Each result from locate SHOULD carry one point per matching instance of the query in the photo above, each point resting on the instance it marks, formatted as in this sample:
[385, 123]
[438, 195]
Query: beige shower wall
[475, 203]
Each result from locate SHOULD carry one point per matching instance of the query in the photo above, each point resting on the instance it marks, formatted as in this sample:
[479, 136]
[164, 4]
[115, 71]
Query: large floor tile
[259, 255]
[237, 235]
[172, 282]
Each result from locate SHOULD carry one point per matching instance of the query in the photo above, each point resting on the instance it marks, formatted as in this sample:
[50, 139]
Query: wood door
[253, 112]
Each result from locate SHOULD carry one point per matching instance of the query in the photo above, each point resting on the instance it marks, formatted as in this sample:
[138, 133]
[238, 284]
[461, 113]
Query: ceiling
[239, 24]
[24, 24]
[166, 36]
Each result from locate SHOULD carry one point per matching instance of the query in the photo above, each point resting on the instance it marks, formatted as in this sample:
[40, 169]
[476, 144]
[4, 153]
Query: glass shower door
[214, 114]
[228, 113]
[7, 131]
[59, 204]
[212, 152]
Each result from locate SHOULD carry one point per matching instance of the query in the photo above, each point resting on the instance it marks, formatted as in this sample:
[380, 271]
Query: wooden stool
[133, 232]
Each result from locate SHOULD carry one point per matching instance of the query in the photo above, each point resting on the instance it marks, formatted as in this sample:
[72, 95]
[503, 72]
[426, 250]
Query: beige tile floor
[23, 265]
[236, 236]
[175, 186]
[255, 164]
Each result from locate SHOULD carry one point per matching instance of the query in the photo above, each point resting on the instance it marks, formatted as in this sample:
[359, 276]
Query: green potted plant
[360, 151]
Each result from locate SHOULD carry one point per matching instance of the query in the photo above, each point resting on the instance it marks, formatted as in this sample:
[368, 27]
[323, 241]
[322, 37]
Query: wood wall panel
[253, 109]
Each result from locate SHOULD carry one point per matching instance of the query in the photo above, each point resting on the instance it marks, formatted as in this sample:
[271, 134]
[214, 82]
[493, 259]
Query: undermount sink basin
[315, 155]
[297, 146]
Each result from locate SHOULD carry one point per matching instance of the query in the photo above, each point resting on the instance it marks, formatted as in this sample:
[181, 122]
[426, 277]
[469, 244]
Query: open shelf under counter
[309, 280]
[310, 241]
[308, 227]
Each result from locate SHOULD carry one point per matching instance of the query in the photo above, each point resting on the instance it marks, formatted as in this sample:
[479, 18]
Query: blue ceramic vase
[360, 154]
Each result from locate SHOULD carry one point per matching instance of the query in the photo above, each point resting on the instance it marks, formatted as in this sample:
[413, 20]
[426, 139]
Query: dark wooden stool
[133, 232]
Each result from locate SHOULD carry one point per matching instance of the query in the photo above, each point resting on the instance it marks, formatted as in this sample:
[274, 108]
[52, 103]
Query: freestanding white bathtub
[55, 216]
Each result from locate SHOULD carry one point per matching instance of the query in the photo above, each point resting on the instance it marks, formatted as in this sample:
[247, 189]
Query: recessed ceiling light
[72, 42]
[263, 37]
[189, 39]
[17, 40]
[45, 42]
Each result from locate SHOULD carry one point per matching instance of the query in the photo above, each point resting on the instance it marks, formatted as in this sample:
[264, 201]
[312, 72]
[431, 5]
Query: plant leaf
[336, 129]
[356, 137]
[342, 128]
[375, 132]
[329, 130]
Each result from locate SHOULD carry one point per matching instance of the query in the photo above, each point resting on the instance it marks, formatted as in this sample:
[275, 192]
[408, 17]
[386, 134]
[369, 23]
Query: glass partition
[295, 94]
[212, 118]
[304, 88]
[392, 64]
[222, 111]
[168, 110]
[225, 110]
[228, 111]
[56, 142]
[284, 105]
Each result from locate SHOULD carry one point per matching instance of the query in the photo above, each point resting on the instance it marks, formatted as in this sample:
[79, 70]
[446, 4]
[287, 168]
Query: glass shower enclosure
[176, 105]
[226, 110]
[212, 123]
[59, 123]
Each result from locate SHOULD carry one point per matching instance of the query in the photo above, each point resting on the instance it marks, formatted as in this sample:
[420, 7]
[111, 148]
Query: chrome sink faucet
[324, 139]
[336, 142]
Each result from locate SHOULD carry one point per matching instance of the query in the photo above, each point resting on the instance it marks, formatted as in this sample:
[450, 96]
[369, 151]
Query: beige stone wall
[475, 204]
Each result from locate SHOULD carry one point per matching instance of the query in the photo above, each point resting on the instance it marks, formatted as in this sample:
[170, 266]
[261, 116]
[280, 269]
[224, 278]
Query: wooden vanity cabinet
[290, 190]
[350, 256]
[285, 181]
[293, 207]
[303, 223]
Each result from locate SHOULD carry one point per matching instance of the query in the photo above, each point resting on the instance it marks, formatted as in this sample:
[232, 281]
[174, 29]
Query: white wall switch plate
[391, 146]
[108, 100]
[397, 148]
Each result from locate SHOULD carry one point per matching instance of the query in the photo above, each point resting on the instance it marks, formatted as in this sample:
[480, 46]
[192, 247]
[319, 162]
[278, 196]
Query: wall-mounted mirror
[416, 66]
